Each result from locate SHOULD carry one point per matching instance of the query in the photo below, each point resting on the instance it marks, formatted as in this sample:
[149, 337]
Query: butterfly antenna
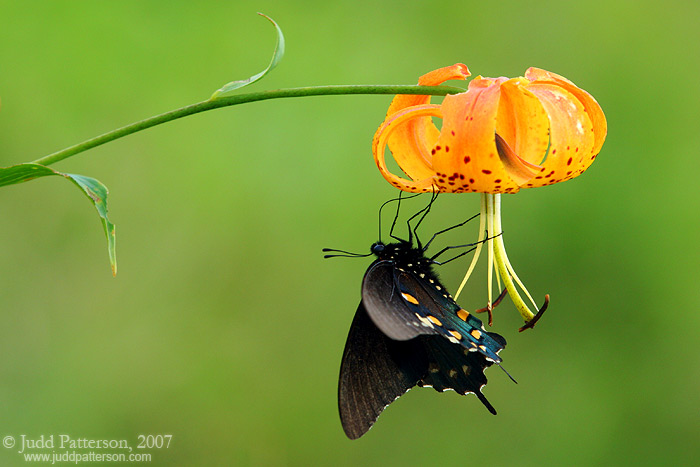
[345, 254]
[504, 371]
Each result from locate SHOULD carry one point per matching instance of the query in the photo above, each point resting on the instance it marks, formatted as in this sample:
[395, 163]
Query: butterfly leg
[447, 230]
[424, 213]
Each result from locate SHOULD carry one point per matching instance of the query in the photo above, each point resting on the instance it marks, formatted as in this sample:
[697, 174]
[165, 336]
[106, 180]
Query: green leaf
[227, 89]
[92, 188]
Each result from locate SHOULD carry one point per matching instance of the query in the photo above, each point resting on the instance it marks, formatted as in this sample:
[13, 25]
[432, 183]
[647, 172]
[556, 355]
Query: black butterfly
[408, 331]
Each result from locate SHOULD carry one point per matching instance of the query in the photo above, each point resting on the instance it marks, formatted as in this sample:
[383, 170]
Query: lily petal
[466, 158]
[600, 124]
[419, 170]
[523, 123]
[457, 71]
[410, 143]
[571, 135]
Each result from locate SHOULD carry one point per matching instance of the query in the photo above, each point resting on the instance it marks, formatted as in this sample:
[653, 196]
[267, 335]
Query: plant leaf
[276, 57]
[92, 188]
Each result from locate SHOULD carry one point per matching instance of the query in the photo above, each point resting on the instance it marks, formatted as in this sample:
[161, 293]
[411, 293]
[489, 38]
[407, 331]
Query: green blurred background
[225, 327]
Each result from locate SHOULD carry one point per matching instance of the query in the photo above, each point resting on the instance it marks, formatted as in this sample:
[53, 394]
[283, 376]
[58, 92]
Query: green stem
[242, 99]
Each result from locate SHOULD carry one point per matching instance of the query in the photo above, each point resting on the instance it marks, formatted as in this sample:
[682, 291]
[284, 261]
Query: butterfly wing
[430, 303]
[374, 372]
[451, 366]
[404, 305]
[387, 306]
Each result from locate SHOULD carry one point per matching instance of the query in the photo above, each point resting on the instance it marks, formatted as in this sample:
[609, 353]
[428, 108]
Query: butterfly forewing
[405, 301]
[387, 306]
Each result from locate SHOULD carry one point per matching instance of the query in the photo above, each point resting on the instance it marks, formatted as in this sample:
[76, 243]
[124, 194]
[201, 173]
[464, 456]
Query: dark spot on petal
[569, 161]
[437, 148]
[554, 151]
[447, 149]
[487, 172]
[498, 180]
[432, 152]
[467, 159]
[471, 180]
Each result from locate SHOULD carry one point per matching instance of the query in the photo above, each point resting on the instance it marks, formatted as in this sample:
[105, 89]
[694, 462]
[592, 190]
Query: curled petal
[419, 169]
[595, 113]
[571, 135]
[523, 124]
[465, 157]
[410, 143]
[434, 78]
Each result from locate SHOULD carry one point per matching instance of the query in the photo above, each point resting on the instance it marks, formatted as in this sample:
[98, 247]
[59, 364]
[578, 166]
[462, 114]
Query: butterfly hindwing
[451, 366]
[374, 372]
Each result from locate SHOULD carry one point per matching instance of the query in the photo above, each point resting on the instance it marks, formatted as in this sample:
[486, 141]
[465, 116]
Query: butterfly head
[390, 251]
[377, 248]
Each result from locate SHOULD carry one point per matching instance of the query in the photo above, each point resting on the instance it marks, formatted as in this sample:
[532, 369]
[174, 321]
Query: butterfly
[408, 331]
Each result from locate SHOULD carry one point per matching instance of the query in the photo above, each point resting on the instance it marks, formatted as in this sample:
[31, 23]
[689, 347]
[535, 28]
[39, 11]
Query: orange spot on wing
[434, 320]
[409, 298]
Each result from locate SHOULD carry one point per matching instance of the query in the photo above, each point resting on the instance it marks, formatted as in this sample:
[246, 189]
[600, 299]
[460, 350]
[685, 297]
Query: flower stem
[242, 99]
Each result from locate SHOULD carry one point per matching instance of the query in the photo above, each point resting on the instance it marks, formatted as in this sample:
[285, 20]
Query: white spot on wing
[424, 321]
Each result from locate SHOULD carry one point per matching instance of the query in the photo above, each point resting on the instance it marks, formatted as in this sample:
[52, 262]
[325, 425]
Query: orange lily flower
[497, 137]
